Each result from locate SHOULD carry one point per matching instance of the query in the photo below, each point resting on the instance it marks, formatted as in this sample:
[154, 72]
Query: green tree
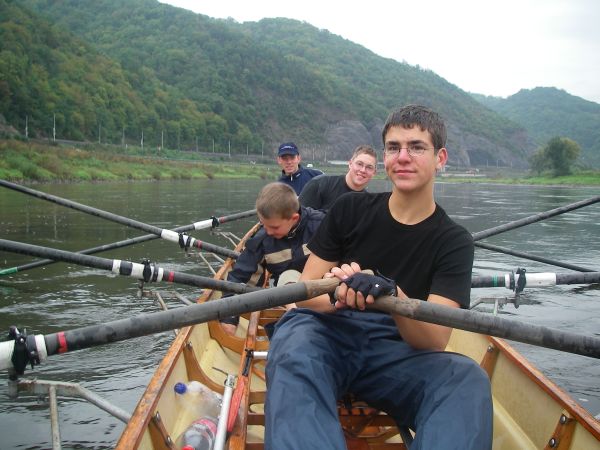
[557, 156]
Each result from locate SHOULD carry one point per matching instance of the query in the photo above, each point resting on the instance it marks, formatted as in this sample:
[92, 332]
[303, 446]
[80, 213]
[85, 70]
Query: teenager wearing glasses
[325, 349]
[322, 191]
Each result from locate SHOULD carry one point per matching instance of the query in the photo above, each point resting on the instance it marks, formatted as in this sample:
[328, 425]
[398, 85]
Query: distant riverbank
[23, 161]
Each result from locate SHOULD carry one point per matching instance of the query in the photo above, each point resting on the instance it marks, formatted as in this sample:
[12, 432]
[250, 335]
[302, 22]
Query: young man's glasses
[412, 149]
[362, 166]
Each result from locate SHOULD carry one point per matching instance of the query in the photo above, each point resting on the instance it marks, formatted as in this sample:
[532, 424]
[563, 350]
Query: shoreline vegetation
[37, 162]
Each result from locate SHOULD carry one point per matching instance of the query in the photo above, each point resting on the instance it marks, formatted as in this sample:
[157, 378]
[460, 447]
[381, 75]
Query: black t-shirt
[434, 256]
[322, 191]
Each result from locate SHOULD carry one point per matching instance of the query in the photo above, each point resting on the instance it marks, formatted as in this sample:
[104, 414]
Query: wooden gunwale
[581, 415]
[144, 411]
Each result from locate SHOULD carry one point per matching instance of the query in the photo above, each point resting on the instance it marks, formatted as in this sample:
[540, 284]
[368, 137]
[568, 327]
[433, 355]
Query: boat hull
[530, 411]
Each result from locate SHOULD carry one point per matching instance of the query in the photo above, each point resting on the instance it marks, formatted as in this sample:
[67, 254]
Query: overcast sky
[487, 47]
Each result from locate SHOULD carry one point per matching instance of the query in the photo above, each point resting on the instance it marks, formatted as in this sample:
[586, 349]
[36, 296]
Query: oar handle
[534, 279]
[492, 325]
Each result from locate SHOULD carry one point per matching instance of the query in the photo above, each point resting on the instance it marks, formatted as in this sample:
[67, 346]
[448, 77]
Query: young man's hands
[359, 288]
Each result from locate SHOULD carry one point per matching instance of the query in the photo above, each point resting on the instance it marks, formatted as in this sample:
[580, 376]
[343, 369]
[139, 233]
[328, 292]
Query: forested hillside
[551, 112]
[53, 78]
[111, 70]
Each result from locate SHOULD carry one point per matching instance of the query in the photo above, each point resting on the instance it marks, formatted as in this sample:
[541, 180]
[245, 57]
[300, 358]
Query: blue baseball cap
[288, 148]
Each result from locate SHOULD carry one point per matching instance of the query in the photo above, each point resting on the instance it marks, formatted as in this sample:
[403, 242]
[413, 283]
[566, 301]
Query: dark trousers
[315, 359]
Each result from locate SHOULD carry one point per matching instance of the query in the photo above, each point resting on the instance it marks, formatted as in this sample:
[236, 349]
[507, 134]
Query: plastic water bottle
[198, 399]
[200, 435]
[203, 404]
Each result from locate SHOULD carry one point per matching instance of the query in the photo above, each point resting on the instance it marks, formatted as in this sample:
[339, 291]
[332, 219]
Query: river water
[63, 296]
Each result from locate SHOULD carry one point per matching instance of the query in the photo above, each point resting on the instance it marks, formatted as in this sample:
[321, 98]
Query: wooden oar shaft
[89, 251]
[168, 235]
[534, 218]
[541, 259]
[136, 240]
[150, 272]
[492, 325]
[145, 324]
[533, 279]
[136, 270]
[578, 278]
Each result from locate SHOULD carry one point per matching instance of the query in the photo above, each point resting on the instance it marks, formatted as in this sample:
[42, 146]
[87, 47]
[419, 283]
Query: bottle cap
[188, 447]
[180, 388]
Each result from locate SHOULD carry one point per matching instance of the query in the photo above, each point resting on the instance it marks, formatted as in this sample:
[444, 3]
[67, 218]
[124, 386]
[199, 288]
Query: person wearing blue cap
[292, 172]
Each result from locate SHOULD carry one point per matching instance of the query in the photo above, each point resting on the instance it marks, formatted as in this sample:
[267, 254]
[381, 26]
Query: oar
[146, 272]
[538, 279]
[182, 239]
[36, 348]
[201, 225]
[151, 272]
[469, 320]
[495, 248]
[145, 324]
[534, 218]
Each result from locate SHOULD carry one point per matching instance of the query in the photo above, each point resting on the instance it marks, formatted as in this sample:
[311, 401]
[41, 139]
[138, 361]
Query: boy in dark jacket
[280, 245]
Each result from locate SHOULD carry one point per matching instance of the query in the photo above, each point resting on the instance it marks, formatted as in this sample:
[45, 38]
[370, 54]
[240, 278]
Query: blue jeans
[315, 359]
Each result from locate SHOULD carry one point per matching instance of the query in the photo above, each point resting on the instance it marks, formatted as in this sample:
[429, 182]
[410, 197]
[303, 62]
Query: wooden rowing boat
[530, 411]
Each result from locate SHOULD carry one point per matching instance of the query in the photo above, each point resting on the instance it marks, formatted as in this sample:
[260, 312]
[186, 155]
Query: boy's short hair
[277, 200]
[410, 115]
[364, 150]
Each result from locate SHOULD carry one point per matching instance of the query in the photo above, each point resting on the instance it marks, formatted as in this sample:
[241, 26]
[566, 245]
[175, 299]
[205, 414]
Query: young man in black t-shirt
[321, 351]
[322, 191]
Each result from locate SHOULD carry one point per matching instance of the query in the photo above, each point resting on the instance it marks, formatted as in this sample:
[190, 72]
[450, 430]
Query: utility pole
[123, 138]
[26, 127]
[229, 146]
[54, 127]
[99, 131]
[213, 145]
[142, 141]
[162, 138]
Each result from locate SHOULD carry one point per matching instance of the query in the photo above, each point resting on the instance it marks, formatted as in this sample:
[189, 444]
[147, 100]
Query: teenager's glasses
[362, 166]
[412, 149]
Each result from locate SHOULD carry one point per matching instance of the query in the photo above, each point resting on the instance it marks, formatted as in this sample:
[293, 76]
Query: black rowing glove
[375, 285]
